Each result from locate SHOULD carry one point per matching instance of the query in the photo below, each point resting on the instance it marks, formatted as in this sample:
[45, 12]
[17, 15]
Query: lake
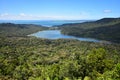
[56, 34]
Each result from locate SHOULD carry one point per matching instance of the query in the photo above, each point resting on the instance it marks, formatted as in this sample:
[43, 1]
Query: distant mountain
[10, 29]
[105, 29]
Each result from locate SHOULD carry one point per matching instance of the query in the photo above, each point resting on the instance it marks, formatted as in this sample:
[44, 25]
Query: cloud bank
[23, 16]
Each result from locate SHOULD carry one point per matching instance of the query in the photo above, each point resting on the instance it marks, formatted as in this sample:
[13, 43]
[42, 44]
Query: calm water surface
[56, 34]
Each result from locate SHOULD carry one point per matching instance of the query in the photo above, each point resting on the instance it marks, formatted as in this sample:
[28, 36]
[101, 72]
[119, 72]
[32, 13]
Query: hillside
[31, 58]
[104, 29]
[10, 29]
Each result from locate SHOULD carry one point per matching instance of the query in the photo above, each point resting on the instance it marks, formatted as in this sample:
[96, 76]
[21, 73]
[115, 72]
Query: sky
[58, 9]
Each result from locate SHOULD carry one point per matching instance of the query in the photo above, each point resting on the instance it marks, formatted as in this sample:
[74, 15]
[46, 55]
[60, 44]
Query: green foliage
[30, 58]
[87, 78]
[17, 30]
[104, 29]
[63, 59]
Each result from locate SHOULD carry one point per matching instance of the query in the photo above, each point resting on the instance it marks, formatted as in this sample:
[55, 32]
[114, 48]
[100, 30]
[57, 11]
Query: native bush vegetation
[30, 58]
[105, 29]
[17, 30]
[62, 59]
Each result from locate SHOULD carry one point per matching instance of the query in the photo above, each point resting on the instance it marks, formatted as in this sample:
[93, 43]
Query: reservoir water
[51, 34]
[56, 34]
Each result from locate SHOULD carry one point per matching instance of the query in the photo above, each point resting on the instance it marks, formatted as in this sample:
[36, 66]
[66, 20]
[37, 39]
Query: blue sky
[58, 9]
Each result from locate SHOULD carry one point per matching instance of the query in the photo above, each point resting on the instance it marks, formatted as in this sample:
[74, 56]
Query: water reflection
[56, 34]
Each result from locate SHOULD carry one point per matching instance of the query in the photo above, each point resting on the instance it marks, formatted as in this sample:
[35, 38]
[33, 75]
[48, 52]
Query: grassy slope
[105, 29]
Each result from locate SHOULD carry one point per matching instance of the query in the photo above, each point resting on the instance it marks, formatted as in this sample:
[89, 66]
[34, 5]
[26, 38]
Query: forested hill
[105, 29]
[31, 58]
[10, 29]
[108, 20]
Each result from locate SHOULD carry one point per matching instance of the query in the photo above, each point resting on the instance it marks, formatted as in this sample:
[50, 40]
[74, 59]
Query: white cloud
[107, 11]
[23, 16]
[4, 14]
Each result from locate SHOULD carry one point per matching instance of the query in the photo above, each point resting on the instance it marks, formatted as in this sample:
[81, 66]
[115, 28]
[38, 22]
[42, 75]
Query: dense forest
[14, 30]
[104, 29]
[29, 58]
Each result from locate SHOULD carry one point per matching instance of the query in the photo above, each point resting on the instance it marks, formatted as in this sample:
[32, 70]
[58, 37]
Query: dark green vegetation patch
[105, 29]
[17, 30]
